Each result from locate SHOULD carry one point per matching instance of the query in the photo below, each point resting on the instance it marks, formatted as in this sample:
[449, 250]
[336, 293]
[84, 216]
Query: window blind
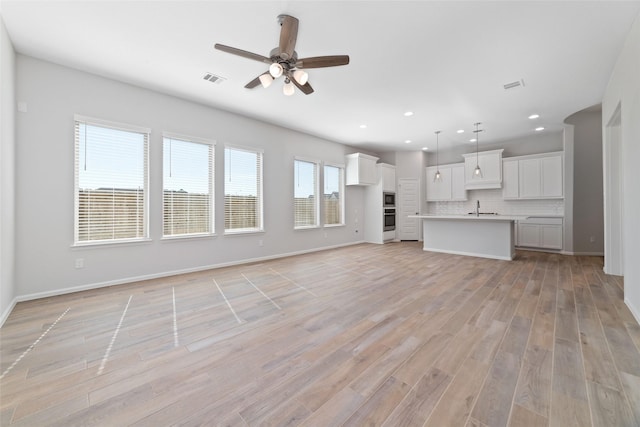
[305, 193]
[242, 190]
[187, 196]
[110, 183]
[333, 195]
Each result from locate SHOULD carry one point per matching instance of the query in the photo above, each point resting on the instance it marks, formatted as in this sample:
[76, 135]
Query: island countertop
[481, 217]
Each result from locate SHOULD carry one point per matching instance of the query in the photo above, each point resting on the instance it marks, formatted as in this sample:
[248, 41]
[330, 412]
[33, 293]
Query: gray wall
[7, 173]
[588, 217]
[44, 167]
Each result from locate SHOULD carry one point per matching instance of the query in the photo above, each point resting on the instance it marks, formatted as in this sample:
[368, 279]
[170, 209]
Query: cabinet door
[552, 185]
[529, 175]
[388, 179]
[551, 236]
[438, 191]
[529, 235]
[457, 183]
[510, 179]
[367, 171]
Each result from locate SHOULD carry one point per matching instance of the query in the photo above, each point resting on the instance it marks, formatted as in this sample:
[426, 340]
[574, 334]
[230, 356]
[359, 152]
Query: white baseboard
[582, 253]
[633, 310]
[8, 311]
[46, 294]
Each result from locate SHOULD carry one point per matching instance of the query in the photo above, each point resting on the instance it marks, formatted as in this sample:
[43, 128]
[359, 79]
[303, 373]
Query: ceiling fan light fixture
[266, 80]
[301, 76]
[288, 89]
[275, 70]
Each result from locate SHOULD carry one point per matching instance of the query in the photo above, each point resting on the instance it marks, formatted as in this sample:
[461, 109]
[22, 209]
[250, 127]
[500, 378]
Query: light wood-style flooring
[380, 335]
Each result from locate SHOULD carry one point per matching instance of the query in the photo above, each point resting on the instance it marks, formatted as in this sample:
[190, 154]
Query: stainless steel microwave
[388, 199]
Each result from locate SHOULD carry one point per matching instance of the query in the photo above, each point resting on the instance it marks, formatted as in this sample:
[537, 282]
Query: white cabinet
[552, 182]
[361, 169]
[490, 163]
[510, 179]
[458, 191]
[537, 176]
[451, 186]
[388, 175]
[540, 232]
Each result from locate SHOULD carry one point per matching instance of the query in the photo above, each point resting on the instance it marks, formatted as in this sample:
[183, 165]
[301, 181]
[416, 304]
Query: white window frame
[341, 168]
[260, 189]
[211, 184]
[91, 121]
[316, 190]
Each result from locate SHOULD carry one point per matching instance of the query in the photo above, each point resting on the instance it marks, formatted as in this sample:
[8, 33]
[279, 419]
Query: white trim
[127, 280]
[187, 138]
[335, 165]
[582, 253]
[110, 243]
[110, 124]
[243, 148]
[478, 255]
[8, 311]
[633, 309]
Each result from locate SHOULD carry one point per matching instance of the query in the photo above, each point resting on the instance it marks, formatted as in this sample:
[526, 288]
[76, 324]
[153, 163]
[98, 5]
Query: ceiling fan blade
[305, 88]
[288, 35]
[243, 53]
[323, 61]
[255, 82]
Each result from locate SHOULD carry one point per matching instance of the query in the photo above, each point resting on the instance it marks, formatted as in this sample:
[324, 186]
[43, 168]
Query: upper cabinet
[490, 163]
[451, 185]
[388, 175]
[537, 176]
[361, 169]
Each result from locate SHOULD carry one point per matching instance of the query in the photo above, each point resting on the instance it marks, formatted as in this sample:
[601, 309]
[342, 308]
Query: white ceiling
[445, 61]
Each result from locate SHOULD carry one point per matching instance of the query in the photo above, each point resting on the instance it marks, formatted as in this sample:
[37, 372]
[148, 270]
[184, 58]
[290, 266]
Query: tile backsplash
[492, 201]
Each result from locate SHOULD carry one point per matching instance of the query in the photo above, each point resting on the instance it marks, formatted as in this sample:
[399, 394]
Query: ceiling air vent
[514, 85]
[213, 78]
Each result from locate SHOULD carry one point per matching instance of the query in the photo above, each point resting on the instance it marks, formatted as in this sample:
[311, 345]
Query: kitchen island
[486, 236]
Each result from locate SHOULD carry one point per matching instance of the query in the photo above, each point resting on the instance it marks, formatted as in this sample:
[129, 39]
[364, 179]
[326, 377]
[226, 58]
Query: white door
[408, 203]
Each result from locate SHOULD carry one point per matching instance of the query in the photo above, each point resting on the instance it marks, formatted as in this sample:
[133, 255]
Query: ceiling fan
[283, 60]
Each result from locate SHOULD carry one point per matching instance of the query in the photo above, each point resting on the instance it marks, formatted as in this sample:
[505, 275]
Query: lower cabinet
[540, 232]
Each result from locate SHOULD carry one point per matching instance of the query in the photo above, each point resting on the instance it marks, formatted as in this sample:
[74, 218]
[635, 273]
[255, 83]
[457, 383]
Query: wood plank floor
[380, 335]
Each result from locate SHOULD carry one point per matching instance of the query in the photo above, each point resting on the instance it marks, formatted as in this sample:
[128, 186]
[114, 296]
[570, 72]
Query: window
[187, 196]
[305, 194]
[110, 182]
[242, 190]
[333, 195]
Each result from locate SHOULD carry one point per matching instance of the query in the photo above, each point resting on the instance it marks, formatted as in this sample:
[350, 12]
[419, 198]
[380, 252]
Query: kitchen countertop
[473, 217]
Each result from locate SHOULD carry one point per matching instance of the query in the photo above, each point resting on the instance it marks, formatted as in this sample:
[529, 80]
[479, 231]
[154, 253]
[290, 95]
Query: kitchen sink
[483, 213]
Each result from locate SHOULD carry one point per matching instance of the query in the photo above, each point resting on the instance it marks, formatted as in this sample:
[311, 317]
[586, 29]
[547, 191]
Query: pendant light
[437, 177]
[477, 172]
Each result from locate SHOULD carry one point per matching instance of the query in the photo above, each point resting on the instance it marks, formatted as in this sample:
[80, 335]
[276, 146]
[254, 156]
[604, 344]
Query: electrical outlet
[79, 263]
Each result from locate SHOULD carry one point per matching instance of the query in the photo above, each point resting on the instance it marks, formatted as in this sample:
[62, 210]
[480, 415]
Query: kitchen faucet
[477, 207]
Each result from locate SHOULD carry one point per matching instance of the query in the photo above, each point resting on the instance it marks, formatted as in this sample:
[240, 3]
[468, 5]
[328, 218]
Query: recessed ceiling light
[407, 141]
[363, 126]
[534, 116]
[460, 131]
[472, 140]
[408, 113]
[539, 129]
[425, 148]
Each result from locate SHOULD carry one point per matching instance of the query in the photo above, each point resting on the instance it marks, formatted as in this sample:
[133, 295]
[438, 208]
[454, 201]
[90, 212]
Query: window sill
[334, 225]
[183, 237]
[114, 243]
[242, 232]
